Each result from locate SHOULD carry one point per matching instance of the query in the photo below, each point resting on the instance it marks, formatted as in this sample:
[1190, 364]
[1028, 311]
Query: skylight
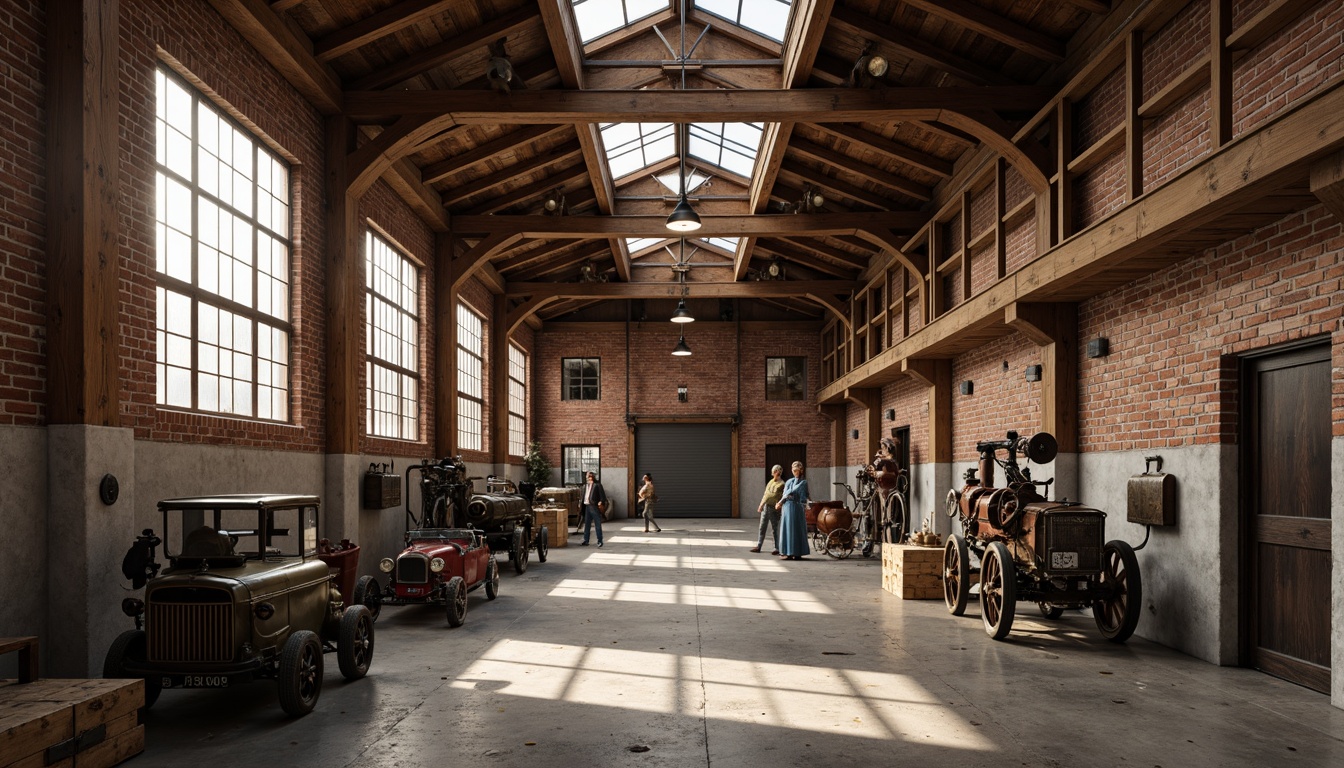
[637, 244]
[672, 180]
[731, 146]
[765, 17]
[632, 146]
[728, 244]
[598, 17]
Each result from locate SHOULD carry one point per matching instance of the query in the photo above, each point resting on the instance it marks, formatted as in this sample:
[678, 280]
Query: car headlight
[436, 565]
[132, 607]
[386, 565]
[264, 611]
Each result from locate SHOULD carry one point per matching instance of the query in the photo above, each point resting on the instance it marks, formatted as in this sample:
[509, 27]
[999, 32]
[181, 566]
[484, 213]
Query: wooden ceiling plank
[799, 256]
[840, 255]
[379, 25]
[536, 254]
[973, 17]
[527, 192]
[436, 172]
[853, 23]
[560, 154]
[662, 289]
[766, 225]
[806, 176]
[563, 261]
[861, 169]
[912, 157]
[422, 61]
[1100, 7]
[286, 49]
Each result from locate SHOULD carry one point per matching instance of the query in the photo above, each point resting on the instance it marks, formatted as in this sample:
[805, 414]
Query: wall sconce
[1099, 347]
[1033, 373]
[891, 414]
[854, 434]
[967, 387]
[681, 394]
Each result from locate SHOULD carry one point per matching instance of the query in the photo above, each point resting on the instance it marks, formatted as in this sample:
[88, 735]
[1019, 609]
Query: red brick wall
[1099, 192]
[781, 421]
[1021, 245]
[1262, 86]
[910, 400]
[1001, 399]
[22, 213]
[1167, 381]
[1101, 110]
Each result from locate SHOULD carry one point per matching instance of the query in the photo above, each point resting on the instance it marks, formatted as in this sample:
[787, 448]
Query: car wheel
[1117, 615]
[354, 647]
[456, 604]
[368, 593]
[491, 579]
[998, 591]
[300, 673]
[519, 549]
[542, 546]
[130, 645]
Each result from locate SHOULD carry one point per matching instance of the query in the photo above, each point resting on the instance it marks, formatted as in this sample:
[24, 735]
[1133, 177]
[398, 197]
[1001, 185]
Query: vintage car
[1052, 553]
[438, 567]
[248, 593]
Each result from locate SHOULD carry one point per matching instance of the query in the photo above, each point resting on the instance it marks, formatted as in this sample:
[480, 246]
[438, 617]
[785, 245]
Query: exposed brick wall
[1169, 51]
[774, 421]
[1015, 188]
[23, 273]
[982, 210]
[1099, 192]
[984, 268]
[1295, 62]
[1101, 110]
[581, 422]
[1176, 140]
[910, 399]
[1167, 381]
[1001, 399]
[1020, 249]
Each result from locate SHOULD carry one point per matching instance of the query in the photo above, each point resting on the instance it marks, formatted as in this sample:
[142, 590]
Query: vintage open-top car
[1052, 553]
[438, 567]
[502, 515]
[249, 593]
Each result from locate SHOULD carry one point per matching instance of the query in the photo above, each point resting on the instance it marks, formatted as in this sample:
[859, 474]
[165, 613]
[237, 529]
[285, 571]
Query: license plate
[1064, 560]
[199, 681]
[412, 590]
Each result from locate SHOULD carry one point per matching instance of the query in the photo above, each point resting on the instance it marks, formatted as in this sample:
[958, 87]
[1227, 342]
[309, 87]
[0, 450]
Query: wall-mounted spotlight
[554, 204]
[682, 396]
[868, 69]
[854, 434]
[1033, 373]
[1099, 347]
[891, 414]
[967, 387]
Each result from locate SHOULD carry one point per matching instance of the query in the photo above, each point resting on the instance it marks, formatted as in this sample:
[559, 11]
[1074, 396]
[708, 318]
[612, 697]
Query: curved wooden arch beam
[887, 240]
[519, 314]
[1030, 159]
[467, 264]
[838, 308]
[369, 162]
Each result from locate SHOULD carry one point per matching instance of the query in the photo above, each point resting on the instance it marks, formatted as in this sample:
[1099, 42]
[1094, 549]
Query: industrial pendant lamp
[682, 315]
[683, 217]
[681, 350]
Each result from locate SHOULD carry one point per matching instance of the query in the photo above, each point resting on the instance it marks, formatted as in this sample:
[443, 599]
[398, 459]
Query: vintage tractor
[1028, 548]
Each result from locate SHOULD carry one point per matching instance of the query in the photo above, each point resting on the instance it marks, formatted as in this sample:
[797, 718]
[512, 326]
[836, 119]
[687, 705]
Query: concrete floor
[686, 645]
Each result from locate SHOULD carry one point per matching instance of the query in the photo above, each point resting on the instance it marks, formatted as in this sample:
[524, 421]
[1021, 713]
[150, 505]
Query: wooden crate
[911, 572]
[556, 520]
[75, 723]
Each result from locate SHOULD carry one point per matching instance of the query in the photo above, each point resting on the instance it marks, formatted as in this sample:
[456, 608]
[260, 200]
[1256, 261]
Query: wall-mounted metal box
[382, 487]
[1152, 495]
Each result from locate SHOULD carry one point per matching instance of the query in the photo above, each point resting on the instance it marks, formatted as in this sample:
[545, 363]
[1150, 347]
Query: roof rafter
[901, 153]
[435, 172]
[863, 170]
[994, 26]
[560, 154]
[422, 61]
[381, 24]
[852, 22]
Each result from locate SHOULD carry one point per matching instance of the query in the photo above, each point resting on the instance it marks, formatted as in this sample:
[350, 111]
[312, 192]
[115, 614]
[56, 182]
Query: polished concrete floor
[684, 649]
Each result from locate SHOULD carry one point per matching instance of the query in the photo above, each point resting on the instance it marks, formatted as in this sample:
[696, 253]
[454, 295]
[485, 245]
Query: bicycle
[889, 524]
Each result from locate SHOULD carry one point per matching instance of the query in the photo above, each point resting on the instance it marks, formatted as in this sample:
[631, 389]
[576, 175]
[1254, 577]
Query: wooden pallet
[68, 723]
[911, 572]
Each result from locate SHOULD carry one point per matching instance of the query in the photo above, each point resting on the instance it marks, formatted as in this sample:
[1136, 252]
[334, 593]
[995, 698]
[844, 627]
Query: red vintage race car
[438, 567]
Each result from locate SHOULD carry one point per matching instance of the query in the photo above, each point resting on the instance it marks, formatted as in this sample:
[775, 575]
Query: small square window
[785, 378]
[578, 461]
[581, 378]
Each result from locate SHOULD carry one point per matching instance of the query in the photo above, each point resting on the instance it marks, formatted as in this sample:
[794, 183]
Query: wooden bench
[67, 723]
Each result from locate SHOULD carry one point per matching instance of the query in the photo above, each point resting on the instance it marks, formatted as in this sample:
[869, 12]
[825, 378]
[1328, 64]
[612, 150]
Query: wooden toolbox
[911, 572]
[556, 520]
[67, 723]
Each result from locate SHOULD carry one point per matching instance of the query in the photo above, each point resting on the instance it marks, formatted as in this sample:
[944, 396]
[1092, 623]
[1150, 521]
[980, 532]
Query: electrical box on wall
[382, 487]
[1152, 495]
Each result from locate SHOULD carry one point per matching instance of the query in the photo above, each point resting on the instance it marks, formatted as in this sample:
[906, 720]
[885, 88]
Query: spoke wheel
[456, 604]
[1117, 614]
[300, 673]
[840, 543]
[956, 574]
[354, 648]
[898, 524]
[543, 546]
[369, 594]
[518, 551]
[491, 579]
[998, 591]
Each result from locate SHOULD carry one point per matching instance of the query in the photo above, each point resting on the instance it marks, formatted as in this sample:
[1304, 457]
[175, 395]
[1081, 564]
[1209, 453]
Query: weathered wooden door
[1286, 498]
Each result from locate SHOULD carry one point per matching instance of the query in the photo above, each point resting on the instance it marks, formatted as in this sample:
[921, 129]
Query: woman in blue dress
[792, 519]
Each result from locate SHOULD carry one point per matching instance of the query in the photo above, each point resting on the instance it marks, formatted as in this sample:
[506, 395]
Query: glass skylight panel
[637, 244]
[672, 180]
[728, 244]
[765, 17]
[632, 146]
[598, 17]
[731, 146]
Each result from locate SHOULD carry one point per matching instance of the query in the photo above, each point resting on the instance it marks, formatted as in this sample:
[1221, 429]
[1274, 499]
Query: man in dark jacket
[594, 503]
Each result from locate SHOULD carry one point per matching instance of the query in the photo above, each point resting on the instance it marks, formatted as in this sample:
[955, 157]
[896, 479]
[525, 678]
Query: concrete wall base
[23, 518]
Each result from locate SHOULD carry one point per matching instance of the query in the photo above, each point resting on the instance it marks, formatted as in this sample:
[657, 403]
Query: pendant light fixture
[681, 350]
[683, 217]
[682, 315]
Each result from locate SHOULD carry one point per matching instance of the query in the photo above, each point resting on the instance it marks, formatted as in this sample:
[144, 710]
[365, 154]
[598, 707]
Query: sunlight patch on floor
[691, 594]
[638, 559]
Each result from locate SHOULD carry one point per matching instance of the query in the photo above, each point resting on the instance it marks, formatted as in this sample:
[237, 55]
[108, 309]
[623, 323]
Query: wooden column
[1327, 183]
[1055, 328]
[835, 412]
[1220, 73]
[870, 399]
[445, 351]
[499, 381]
[345, 293]
[1133, 123]
[1063, 179]
[83, 192]
[937, 376]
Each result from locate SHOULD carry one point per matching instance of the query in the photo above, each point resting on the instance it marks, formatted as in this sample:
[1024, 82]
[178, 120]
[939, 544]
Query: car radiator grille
[189, 631]
[412, 569]
[1076, 533]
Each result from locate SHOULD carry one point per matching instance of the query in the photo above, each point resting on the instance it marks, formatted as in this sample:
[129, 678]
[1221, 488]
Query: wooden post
[345, 285]
[937, 376]
[1220, 73]
[445, 352]
[1063, 179]
[83, 192]
[1055, 328]
[499, 381]
[1133, 123]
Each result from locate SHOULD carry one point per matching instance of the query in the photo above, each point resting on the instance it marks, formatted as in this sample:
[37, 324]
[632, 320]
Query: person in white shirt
[594, 503]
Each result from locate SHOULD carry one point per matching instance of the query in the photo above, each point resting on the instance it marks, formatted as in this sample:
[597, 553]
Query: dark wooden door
[1286, 495]
[784, 454]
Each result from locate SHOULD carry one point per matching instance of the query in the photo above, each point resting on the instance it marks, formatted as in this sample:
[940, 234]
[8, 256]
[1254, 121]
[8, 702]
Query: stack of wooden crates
[554, 508]
[76, 723]
[911, 572]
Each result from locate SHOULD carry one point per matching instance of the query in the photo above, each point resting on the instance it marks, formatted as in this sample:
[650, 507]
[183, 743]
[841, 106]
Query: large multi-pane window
[222, 261]
[581, 378]
[578, 460]
[470, 358]
[785, 378]
[517, 401]
[392, 341]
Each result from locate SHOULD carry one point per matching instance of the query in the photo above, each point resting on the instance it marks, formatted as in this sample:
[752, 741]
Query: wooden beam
[536, 189]
[837, 307]
[784, 225]
[1220, 73]
[285, 49]
[369, 161]
[796, 173]
[83, 197]
[978, 19]
[464, 266]
[810, 19]
[1133, 125]
[445, 347]
[1270, 19]
[658, 290]
[560, 154]
[901, 153]
[498, 332]
[536, 254]
[379, 25]
[870, 400]
[837, 255]
[404, 179]
[436, 172]
[528, 309]
[426, 59]
[862, 170]
[783, 249]
[1327, 183]
[1053, 327]
[937, 376]
[344, 272]
[855, 24]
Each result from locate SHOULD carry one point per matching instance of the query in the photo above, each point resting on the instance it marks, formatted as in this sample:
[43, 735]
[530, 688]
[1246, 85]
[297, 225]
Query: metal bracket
[1149, 460]
[70, 747]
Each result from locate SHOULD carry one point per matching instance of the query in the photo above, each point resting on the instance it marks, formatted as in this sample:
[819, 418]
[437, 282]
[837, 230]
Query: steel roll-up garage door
[691, 466]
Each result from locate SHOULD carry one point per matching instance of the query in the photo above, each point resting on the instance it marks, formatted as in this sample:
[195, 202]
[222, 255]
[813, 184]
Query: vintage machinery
[1028, 548]
[248, 593]
[438, 567]
[502, 515]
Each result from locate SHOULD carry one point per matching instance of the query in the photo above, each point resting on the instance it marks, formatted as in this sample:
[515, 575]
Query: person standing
[793, 518]
[594, 502]
[647, 496]
[769, 509]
